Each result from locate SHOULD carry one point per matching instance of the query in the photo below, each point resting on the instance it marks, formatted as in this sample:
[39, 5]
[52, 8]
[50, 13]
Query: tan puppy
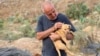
[58, 43]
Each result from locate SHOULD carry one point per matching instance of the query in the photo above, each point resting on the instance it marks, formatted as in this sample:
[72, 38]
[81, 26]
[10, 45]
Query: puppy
[59, 45]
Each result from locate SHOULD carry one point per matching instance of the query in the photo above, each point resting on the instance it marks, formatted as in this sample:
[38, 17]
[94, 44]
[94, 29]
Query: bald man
[49, 22]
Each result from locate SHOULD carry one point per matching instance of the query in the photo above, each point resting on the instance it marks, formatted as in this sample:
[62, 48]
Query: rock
[12, 51]
[30, 44]
[87, 29]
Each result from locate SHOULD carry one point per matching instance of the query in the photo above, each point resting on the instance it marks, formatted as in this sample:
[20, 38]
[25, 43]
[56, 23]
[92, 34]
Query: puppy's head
[65, 28]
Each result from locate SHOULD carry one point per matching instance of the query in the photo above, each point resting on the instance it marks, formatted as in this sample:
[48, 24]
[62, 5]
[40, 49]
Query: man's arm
[43, 34]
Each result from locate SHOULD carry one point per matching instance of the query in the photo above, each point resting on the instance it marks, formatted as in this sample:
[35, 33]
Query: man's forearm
[44, 34]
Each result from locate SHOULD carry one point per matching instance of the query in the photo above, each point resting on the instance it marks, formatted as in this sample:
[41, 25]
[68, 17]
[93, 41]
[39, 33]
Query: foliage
[16, 19]
[27, 30]
[84, 38]
[80, 39]
[1, 24]
[10, 35]
[20, 19]
[77, 11]
[16, 27]
[35, 19]
[93, 19]
[97, 8]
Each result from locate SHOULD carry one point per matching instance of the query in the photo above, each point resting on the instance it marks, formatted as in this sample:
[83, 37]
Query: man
[50, 21]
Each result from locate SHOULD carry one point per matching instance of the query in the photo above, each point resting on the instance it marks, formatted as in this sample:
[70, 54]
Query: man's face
[51, 13]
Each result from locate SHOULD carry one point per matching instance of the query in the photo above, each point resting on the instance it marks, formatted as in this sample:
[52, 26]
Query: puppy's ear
[70, 36]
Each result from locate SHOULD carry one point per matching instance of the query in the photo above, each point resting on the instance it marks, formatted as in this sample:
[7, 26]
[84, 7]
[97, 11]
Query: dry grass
[31, 8]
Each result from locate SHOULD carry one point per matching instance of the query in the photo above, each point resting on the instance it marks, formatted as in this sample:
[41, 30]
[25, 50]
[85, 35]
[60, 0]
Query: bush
[80, 39]
[93, 19]
[1, 24]
[97, 8]
[16, 19]
[27, 30]
[77, 11]
[10, 35]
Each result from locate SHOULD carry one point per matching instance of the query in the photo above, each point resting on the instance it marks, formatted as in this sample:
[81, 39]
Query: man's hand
[54, 36]
[57, 25]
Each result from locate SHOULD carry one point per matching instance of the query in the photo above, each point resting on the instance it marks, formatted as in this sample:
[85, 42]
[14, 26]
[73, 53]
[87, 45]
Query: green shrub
[19, 20]
[93, 19]
[80, 39]
[77, 11]
[11, 19]
[16, 19]
[35, 19]
[27, 30]
[97, 8]
[10, 35]
[1, 24]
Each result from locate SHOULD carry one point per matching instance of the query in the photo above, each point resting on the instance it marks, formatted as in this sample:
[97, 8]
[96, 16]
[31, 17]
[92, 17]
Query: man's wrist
[53, 28]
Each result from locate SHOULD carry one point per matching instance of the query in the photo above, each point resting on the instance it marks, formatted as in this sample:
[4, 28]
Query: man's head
[49, 10]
